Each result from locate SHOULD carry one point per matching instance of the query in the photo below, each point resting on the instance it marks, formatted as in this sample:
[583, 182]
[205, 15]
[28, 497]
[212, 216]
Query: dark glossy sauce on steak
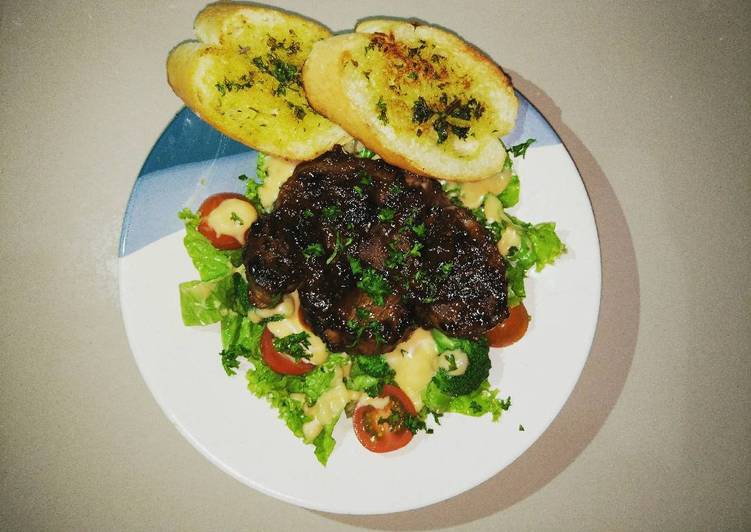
[374, 252]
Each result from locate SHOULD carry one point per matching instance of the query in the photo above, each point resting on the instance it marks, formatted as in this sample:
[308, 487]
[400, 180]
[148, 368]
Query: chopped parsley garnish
[294, 345]
[307, 213]
[415, 251]
[285, 73]
[471, 109]
[421, 111]
[521, 428]
[370, 281]
[520, 150]
[365, 178]
[313, 250]
[243, 82]
[441, 128]
[444, 113]
[363, 322]
[365, 153]
[235, 218]
[275, 45]
[506, 403]
[395, 257]
[446, 267]
[331, 211]
[297, 110]
[381, 107]
[339, 246]
[418, 229]
[386, 214]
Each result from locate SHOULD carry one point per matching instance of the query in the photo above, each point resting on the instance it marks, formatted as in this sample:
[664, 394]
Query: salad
[389, 397]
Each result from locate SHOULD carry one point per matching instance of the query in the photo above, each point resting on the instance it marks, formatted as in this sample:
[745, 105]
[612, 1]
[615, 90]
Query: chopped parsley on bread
[243, 76]
[418, 96]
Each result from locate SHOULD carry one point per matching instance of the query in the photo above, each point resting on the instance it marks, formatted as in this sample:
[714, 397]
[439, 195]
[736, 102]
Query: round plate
[242, 434]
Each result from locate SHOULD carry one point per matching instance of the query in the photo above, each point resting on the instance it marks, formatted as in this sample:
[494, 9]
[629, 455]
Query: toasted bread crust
[228, 79]
[352, 80]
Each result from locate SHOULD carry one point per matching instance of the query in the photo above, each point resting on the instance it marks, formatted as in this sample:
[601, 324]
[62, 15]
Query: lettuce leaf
[203, 303]
[318, 381]
[484, 400]
[539, 246]
[510, 195]
[277, 389]
[325, 442]
[210, 262]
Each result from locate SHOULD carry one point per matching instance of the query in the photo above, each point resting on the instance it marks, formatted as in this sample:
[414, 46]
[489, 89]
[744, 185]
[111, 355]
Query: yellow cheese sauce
[415, 361]
[289, 308]
[232, 217]
[278, 170]
[473, 192]
[509, 239]
[328, 406]
[332, 403]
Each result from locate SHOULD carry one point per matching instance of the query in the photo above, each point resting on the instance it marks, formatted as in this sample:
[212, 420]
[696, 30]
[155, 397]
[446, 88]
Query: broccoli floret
[477, 370]
[375, 366]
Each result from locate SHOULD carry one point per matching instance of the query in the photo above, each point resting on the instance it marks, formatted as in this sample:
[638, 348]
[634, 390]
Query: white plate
[242, 434]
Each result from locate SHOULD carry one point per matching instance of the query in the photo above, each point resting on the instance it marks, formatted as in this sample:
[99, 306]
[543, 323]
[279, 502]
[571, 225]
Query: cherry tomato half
[382, 430]
[280, 362]
[511, 329]
[224, 241]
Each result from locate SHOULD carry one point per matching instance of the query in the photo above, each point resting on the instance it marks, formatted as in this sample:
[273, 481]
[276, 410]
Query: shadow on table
[602, 378]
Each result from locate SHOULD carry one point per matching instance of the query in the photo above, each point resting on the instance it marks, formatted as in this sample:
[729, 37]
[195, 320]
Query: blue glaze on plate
[192, 160]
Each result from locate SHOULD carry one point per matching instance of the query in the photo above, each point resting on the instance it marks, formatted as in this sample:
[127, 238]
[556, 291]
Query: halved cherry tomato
[208, 205]
[511, 329]
[280, 362]
[382, 430]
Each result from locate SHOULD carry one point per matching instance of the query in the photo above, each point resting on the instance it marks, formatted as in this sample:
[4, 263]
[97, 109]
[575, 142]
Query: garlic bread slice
[418, 96]
[242, 76]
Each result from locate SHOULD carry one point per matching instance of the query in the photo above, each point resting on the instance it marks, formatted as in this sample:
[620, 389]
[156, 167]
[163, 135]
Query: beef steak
[374, 251]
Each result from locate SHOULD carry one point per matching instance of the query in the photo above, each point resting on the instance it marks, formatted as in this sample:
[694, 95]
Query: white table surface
[652, 99]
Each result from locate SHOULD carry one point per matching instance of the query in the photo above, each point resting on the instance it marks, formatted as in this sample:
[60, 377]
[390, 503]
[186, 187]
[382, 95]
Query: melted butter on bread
[419, 96]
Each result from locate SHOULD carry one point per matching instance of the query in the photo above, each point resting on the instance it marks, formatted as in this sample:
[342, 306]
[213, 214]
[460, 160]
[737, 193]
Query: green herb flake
[365, 153]
[415, 251]
[520, 150]
[339, 245]
[285, 73]
[313, 250]
[294, 345]
[235, 218]
[331, 211]
[381, 108]
[370, 281]
[386, 214]
[421, 111]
